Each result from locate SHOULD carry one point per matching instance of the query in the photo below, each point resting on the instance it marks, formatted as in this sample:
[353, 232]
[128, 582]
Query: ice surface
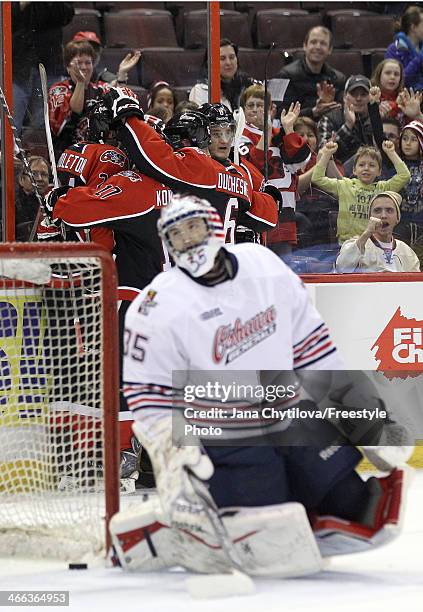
[389, 579]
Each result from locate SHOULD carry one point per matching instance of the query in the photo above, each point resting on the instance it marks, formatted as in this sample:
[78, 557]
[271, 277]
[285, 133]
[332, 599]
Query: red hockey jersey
[128, 203]
[227, 188]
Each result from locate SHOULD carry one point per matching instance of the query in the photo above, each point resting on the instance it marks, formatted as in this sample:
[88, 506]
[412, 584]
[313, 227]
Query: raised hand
[330, 148]
[325, 92]
[349, 115]
[75, 72]
[373, 225]
[388, 147]
[409, 102]
[289, 117]
[374, 94]
[129, 61]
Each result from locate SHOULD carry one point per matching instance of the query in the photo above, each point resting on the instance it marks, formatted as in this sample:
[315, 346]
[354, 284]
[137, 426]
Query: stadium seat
[252, 62]
[376, 56]
[251, 8]
[179, 67]
[233, 25]
[348, 61]
[128, 6]
[84, 19]
[287, 29]
[111, 58]
[139, 28]
[362, 32]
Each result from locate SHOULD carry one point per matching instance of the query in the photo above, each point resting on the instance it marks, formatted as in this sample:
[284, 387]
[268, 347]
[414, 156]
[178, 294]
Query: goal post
[59, 389]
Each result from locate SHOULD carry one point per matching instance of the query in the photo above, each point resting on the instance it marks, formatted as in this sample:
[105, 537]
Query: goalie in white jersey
[225, 313]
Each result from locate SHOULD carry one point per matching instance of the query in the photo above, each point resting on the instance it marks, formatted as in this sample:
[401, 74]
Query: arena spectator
[232, 79]
[407, 47]
[101, 72]
[355, 194]
[376, 250]
[312, 81]
[162, 95]
[36, 37]
[307, 128]
[185, 105]
[26, 202]
[351, 125]
[287, 153]
[410, 229]
[71, 99]
[389, 77]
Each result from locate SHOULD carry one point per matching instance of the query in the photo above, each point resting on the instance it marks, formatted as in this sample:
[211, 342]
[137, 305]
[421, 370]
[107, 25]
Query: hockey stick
[22, 155]
[239, 117]
[235, 582]
[266, 117]
[44, 90]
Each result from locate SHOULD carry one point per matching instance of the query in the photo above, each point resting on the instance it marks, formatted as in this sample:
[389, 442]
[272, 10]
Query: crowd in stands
[345, 144]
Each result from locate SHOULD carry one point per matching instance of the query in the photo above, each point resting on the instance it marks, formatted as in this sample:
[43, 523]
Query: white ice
[389, 579]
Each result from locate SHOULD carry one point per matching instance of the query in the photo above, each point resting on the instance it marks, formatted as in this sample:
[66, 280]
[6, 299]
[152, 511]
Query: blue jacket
[404, 51]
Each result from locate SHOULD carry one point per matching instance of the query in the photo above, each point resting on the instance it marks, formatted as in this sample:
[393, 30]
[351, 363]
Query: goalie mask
[192, 232]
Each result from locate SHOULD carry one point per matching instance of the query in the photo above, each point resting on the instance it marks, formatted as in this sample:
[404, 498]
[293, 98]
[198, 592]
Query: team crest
[148, 302]
[114, 157]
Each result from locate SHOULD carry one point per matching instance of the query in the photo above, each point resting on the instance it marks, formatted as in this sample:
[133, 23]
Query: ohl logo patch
[399, 348]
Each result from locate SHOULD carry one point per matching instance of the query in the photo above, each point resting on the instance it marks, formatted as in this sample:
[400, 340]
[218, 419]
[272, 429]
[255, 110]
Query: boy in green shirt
[355, 194]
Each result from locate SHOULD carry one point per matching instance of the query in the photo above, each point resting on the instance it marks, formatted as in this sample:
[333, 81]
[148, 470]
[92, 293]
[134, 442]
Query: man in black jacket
[313, 82]
[351, 126]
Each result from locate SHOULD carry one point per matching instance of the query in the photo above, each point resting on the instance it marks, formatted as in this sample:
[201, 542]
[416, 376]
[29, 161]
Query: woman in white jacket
[376, 250]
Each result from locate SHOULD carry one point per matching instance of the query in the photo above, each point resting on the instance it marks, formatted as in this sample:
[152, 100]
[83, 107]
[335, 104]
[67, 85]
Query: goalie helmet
[188, 129]
[218, 114]
[192, 245]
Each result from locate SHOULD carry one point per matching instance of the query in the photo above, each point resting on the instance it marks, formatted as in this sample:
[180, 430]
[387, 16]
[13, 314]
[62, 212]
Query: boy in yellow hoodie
[354, 194]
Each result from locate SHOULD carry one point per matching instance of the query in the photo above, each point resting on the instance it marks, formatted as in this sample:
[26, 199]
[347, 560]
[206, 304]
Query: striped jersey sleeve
[312, 345]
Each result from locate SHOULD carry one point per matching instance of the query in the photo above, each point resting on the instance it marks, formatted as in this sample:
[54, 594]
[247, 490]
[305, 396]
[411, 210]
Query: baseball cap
[88, 36]
[357, 80]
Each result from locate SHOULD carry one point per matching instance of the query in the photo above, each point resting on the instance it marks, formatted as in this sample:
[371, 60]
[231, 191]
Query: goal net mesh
[52, 501]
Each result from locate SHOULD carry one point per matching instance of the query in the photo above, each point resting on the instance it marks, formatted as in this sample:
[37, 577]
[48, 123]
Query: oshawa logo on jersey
[114, 157]
[232, 341]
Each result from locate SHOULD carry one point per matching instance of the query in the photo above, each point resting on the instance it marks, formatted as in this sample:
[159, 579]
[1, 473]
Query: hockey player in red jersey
[196, 434]
[222, 131]
[184, 165]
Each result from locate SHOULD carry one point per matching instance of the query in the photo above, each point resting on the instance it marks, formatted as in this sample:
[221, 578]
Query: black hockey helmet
[188, 129]
[218, 114]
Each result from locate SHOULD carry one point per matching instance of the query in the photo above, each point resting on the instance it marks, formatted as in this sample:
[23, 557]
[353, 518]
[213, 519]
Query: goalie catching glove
[122, 103]
[171, 462]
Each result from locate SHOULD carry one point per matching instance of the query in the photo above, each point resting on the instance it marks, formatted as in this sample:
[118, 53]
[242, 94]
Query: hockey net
[58, 400]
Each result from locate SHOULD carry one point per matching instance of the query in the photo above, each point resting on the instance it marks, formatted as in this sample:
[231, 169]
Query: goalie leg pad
[274, 541]
[340, 537]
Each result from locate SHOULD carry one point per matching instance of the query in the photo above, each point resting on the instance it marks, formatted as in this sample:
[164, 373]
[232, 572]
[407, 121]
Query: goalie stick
[44, 90]
[235, 582]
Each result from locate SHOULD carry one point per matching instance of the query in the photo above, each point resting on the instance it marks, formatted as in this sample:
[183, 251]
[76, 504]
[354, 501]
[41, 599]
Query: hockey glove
[171, 462]
[395, 447]
[122, 103]
[50, 202]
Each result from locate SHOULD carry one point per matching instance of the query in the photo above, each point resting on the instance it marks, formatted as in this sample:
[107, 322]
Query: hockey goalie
[270, 496]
